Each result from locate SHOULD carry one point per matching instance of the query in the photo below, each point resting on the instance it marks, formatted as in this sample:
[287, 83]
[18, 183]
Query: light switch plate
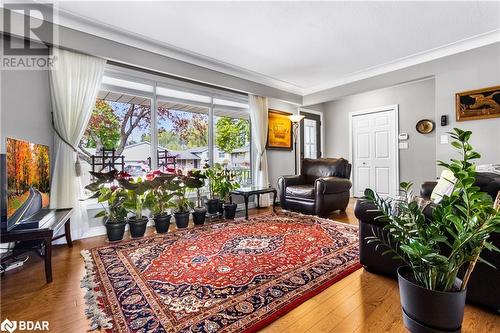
[443, 139]
[403, 136]
[403, 145]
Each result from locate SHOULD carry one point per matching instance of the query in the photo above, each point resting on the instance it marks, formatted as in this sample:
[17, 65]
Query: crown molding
[85, 24]
[467, 44]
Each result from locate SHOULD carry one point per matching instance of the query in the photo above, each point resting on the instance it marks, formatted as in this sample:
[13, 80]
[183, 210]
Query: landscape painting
[279, 133]
[478, 104]
[27, 178]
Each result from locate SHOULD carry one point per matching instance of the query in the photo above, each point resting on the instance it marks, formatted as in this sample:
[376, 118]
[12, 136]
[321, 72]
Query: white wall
[26, 107]
[475, 71]
[415, 100]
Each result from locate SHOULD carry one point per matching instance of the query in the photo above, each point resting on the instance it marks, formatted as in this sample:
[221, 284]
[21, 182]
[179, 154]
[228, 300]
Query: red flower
[113, 188]
[123, 175]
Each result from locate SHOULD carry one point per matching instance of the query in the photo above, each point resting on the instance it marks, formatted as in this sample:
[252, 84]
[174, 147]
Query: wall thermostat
[444, 120]
[403, 136]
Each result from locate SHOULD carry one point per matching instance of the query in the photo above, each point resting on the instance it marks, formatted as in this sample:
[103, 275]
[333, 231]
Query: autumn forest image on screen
[27, 178]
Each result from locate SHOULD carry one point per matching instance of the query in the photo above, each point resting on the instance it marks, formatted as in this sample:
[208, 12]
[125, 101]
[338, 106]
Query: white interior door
[374, 151]
[310, 135]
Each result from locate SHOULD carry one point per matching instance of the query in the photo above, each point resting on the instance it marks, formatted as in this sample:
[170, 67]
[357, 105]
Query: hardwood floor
[361, 302]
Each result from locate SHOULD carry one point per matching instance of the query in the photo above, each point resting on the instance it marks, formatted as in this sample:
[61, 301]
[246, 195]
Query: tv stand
[48, 226]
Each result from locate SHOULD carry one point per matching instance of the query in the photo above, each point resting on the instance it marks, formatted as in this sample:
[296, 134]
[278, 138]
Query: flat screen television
[25, 182]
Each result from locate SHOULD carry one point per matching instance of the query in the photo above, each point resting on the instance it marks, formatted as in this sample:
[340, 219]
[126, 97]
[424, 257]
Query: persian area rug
[234, 276]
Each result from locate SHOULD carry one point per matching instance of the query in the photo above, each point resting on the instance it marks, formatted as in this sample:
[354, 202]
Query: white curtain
[258, 118]
[74, 83]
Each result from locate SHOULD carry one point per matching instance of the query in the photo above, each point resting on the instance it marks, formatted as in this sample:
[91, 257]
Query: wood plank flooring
[361, 302]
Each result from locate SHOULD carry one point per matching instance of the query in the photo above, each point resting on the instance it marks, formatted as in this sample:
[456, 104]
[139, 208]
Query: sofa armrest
[367, 212]
[426, 189]
[332, 185]
[286, 181]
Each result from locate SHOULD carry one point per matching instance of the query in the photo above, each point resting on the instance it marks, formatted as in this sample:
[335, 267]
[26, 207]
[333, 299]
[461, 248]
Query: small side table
[248, 191]
[59, 219]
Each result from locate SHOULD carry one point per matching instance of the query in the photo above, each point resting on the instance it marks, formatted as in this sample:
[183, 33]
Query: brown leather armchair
[322, 187]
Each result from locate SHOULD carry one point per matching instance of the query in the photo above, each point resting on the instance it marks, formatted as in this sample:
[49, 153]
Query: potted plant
[224, 185]
[196, 180]
[112, 198]
[182, 204]
[212, 202]
[134, 203]
[436, 252]
[159, 199]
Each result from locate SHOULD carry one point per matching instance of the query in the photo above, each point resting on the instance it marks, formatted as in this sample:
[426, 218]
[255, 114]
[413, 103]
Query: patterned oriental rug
[234, 276]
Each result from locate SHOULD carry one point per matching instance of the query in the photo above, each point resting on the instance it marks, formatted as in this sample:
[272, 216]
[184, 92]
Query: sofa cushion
[300, 191]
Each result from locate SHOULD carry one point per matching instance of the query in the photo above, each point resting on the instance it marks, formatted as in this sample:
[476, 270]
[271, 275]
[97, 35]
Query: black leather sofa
[322, 187]
[483, 285]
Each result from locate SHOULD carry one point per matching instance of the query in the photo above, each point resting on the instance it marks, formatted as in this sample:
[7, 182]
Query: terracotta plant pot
[137, 226]
[199, 215]
[115, 230]
[426, 310]
[181, 219]
[162, 223]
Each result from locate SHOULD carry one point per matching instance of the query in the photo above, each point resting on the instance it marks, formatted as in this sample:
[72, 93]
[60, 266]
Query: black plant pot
[229, 210]
[212, 206]
[137, 226]
[429, 311]
[162, 223]
[181, 220]
[220, 208]
[115, 230]
[199, 215]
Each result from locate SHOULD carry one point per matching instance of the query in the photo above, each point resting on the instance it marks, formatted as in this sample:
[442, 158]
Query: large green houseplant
[213, 174]
[196, 181]
[439, 251]
[182, 204]
[225, 183]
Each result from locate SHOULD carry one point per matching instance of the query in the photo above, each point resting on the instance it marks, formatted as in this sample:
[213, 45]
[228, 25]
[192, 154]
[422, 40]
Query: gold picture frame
[279, 130]
[478, 104]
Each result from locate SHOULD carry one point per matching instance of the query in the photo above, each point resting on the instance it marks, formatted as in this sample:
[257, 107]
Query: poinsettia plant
[107, 193]
[136, 190]
[182, 202]
[196, 180]
[159, 199]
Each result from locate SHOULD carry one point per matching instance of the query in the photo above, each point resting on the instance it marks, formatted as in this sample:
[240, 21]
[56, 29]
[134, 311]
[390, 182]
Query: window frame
[158, 81]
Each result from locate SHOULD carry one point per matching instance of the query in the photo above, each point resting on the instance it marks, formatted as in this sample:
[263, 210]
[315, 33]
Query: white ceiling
[301, 47]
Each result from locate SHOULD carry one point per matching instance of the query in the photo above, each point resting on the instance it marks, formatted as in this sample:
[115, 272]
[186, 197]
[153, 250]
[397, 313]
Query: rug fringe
[98, 318]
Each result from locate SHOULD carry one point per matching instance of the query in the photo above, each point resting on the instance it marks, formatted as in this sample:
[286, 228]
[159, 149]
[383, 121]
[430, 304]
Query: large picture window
[190, 126]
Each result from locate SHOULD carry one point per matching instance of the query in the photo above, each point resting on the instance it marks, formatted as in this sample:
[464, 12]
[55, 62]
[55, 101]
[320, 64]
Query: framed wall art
[478, 104]
[279, 130]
